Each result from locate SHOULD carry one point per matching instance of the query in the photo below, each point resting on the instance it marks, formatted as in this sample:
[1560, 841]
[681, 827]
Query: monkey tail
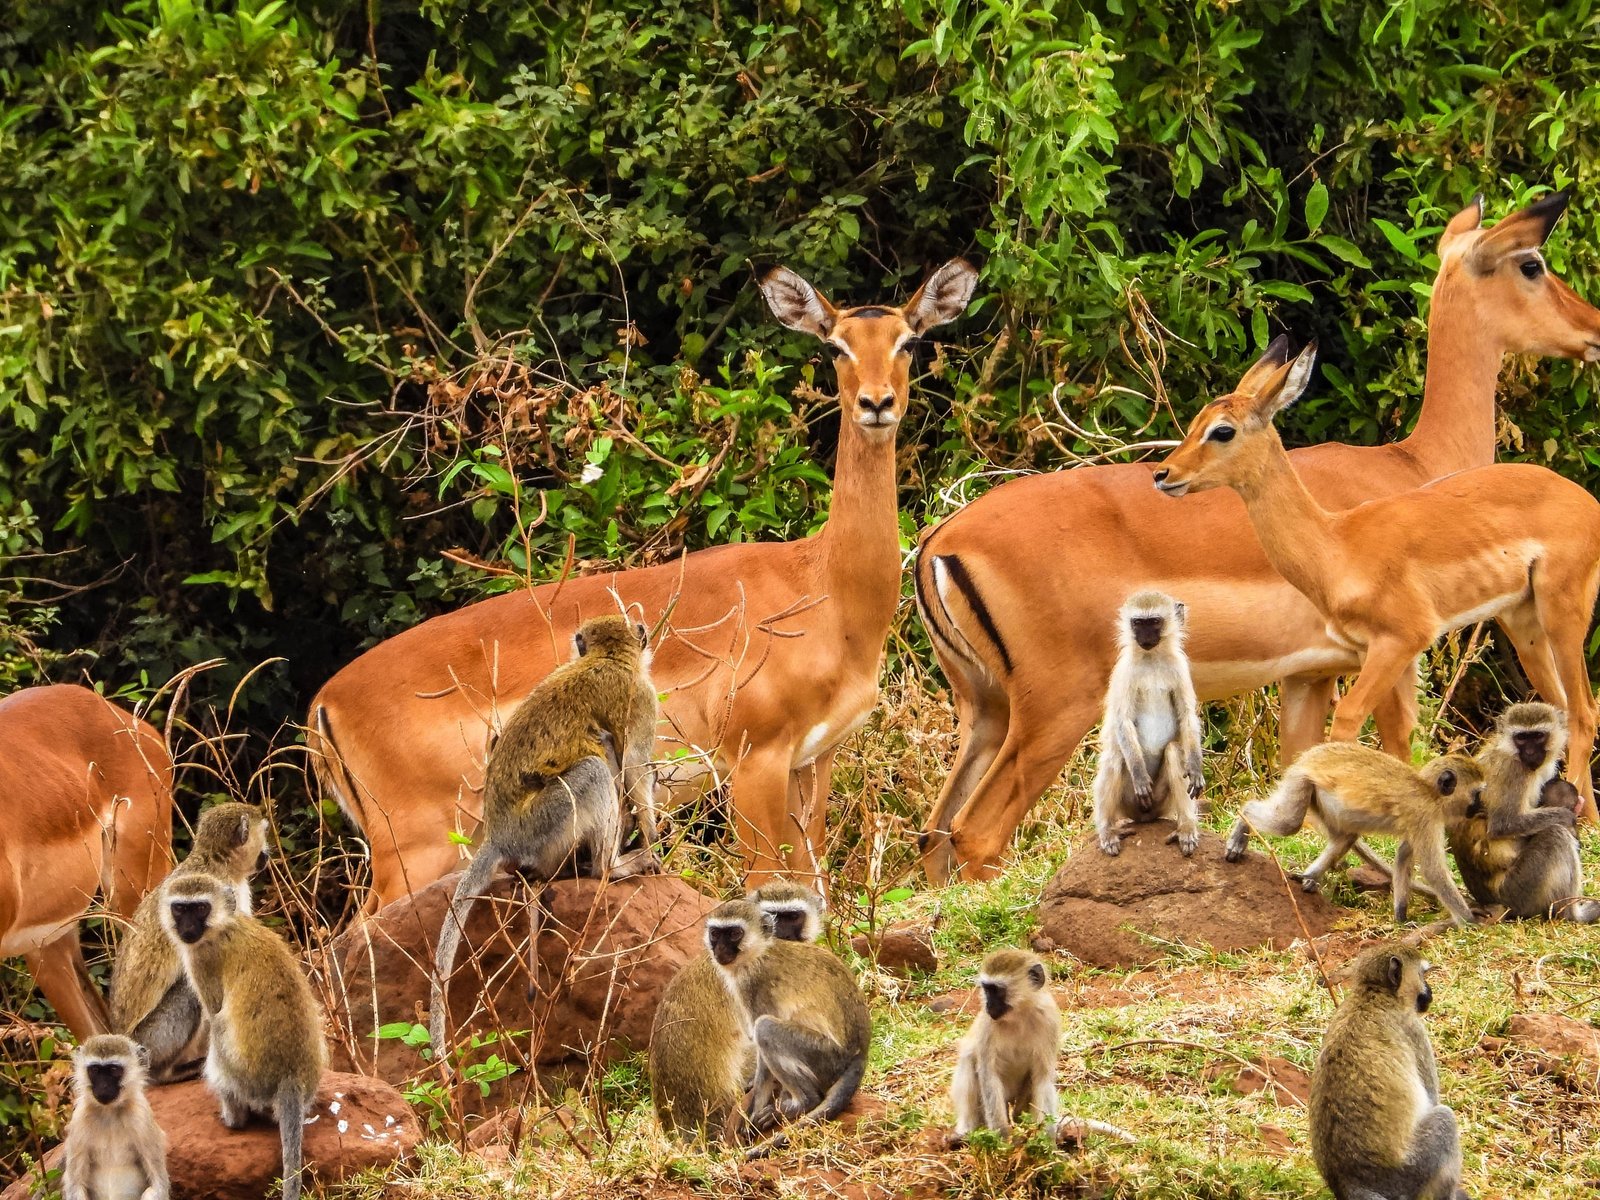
[536, 911]
[835, 1102]
[1578, 910]
[292, 1101]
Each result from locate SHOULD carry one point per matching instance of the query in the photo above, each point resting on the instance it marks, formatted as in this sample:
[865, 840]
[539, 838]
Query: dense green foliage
[296, 296]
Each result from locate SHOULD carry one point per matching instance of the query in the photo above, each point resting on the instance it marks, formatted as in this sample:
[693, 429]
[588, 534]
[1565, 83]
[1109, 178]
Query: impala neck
[1295, 531]
[1455, 429]
[861, 540]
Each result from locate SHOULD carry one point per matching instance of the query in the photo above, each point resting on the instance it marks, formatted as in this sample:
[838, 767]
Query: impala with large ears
[1511, 541]
[1019, 590]
[769, 660]
[86, 798]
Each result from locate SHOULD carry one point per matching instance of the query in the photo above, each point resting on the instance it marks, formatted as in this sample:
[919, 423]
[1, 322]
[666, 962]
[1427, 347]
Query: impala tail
[957, 617]
[327, 763]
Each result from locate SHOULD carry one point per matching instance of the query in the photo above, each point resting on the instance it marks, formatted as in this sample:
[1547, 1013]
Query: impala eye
[1222, 433]
[1532, 268]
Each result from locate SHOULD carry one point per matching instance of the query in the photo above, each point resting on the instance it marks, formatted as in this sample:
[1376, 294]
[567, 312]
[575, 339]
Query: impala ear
[1272, 358]
[1285, 385]
[1525, 229]
[942, 297]
[797, 304]
[1465, 221]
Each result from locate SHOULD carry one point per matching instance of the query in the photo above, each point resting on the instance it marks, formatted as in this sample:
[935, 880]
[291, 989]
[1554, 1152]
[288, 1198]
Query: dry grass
[1151, 1051]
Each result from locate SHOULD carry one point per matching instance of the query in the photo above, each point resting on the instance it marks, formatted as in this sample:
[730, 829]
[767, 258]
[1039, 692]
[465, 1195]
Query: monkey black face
[105, 1081]
[996, 998]
[725, 942]
[788, 924]
[1533, 746]
[190, 918]
[1148, 631]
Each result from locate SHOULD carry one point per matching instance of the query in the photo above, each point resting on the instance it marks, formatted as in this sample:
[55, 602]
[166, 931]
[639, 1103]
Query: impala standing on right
[1512, 542]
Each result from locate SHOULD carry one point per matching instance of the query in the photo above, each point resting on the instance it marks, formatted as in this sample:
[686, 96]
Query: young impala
[769, 662]
[1028, 649]
[1512, 541]
[85, 806]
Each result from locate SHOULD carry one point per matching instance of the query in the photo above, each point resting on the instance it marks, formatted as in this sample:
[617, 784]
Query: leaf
[1316, 205]
[1344, 250]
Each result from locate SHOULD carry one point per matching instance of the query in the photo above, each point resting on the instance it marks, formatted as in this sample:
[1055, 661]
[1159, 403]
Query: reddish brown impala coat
[1020, 589]
[85, 806]
[1511, 541]
[770, 660]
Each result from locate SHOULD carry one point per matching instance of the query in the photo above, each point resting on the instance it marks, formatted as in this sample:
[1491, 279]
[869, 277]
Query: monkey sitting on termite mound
[1350, 790]
[1516, 846]
[551, 786]
[266, 1052]
[115, 1149]
[701, 1055]
[1378, 1131]
[151, 1001]
[1150, 761]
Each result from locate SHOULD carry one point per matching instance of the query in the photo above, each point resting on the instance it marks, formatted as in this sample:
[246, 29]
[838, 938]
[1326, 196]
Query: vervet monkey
[550, 789]
[1537, 874]
[151, 1001]
[266, 1054]
[806, 1016]
[1007, 1061]
[115, 1149]
[1150, 763]
[1378, 1131]
[701, 1055]
[1350, 790]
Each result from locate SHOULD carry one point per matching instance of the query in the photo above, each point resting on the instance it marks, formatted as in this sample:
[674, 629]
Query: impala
[1019, 591]
[769, 661]
[87, 796]
[1510, 541]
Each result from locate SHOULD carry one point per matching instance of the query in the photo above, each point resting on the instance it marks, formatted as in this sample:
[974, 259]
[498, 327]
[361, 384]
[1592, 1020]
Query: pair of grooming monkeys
[199, 986]
[1506, 817]
[769, 1028]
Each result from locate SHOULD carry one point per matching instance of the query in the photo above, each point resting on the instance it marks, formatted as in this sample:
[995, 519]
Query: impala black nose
[1161, 475]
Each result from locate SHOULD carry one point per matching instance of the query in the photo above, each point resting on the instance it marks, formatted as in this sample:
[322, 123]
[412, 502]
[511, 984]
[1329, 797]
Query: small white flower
[344, 1126]
[591, 473]
[387, 1121]
[333, 1106]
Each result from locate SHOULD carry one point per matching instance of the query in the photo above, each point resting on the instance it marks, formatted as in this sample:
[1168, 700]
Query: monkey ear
[580, 644]
[241, 832]
[1447, 783]
[1036, 974]
[643, 634]
[1397, 970]
[1180, 610]
[143, 1055]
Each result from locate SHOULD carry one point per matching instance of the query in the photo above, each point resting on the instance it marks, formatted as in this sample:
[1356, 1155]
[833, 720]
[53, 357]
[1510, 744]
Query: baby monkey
[115, 1149]
[1150, 763]
[1350, 790]
[1007, 1061]
[1378, 1131]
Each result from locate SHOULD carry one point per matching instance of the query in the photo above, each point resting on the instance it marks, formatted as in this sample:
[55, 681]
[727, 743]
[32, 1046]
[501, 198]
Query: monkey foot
[1111, 844]
[1308, 883]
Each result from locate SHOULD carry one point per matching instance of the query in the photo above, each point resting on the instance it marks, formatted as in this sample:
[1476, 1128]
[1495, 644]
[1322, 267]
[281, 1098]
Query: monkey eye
[1222, 433]
[1531, 268]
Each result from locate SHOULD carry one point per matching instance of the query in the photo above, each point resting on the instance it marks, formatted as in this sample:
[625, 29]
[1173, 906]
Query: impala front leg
[767, 833]
[1388, 662]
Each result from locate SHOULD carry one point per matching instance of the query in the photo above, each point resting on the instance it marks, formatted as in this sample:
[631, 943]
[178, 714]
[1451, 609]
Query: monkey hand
[1143, 793]
[1194, 772]
[1197, 784]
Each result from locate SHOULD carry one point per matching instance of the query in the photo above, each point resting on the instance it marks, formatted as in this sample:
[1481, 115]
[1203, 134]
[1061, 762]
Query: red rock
[372, 1127]
[1290, 1085]
[1096, 906]
[605, 954]
[1555, 1045]
[902, 949]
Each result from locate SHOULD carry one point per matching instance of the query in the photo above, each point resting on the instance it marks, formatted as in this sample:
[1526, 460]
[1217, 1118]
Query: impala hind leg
[1030, 760]
[982, 720]
[1389, 662]
[1564, 611]
[61, 974]
[1303, 704]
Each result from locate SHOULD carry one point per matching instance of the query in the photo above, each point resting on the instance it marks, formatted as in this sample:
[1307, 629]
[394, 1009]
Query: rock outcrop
[604, 956]
[357, 1123]
[1097, 907]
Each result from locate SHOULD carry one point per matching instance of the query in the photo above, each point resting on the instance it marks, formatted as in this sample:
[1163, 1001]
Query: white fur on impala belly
[849, 715]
